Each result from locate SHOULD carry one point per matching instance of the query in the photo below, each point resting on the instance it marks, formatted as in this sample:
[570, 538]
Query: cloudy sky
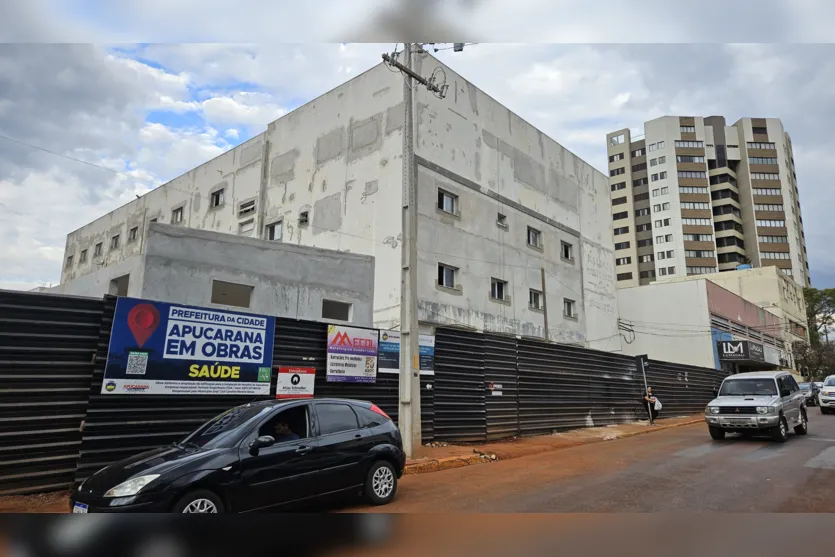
[148, 111]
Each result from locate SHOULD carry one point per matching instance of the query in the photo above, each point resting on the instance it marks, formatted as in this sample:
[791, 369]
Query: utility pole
[545, 305]
[409, 406]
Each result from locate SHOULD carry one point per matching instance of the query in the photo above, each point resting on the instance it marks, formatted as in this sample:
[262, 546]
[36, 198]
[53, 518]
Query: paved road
[678, 470]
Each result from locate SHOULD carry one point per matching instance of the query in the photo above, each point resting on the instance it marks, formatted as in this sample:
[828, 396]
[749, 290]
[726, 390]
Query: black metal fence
[47, 344]
[56, 427]
[491, 386]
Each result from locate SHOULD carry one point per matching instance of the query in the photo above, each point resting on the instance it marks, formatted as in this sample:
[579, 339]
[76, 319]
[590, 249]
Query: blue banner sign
[159, 348]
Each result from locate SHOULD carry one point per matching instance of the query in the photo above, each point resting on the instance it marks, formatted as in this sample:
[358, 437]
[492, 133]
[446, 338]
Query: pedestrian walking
[652, 404]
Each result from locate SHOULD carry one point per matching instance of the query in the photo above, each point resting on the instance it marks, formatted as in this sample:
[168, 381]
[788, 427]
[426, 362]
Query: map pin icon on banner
[143, 321]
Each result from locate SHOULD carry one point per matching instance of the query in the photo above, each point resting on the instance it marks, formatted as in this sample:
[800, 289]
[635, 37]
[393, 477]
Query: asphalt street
[677, 470]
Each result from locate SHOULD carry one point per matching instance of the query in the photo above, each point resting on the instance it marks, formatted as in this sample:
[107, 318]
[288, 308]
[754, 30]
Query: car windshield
[220, 430]
[830, 382]
[748, 387]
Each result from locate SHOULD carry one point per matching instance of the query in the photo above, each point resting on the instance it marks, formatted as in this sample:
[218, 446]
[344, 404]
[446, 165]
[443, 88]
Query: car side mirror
[260, 443]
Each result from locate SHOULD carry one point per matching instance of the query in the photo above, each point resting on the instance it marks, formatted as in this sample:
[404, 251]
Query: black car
[810, 392]
[257, 456]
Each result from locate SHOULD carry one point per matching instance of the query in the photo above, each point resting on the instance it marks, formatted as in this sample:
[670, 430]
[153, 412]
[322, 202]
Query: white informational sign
[352, 354]
[295, 382]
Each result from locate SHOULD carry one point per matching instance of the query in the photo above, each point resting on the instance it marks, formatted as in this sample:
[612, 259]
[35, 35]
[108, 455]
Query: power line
[94, 165]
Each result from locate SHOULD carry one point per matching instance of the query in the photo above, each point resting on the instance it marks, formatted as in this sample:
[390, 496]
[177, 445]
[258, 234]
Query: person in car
[283, 433]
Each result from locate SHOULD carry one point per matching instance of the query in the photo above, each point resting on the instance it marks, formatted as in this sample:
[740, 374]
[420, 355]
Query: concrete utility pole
[409, 407]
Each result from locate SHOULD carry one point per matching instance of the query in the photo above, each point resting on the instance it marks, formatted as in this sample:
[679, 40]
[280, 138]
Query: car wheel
[803, 428]
[781, 432]
[199, 502]
[716, 433]
[381, 483]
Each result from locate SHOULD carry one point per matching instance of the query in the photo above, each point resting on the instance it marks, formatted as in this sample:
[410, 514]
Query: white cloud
[248, 109]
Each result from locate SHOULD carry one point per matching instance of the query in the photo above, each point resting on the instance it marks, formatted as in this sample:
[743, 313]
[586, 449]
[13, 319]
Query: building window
[447, 202]
[641, 196]
[216, 199]
[83, 257]
[642, 212]
[691, 174]
[617, 171]
[765, 240]
[132, 234]
[767, 191]
[246, 227]
[689, 158]
[654, 177]
[619, 201]
[274, 231]
[690, 144]
[662, 160]
[702, 254]
[639, 167]
[246, 208]
[772, 223]
[651, 147]
[619, 216]
[534, 237]
[535, 299]
[774, 255]
[759, 130]
[624, 276]
[662, 271]
[643, 228]
[653, 162]
[97, 250]
[231, 294]
[640, 182]
[765, 176]
[336, 311]
[662, 175]
[622, 245]
[304, 218]
[671, 270]
[619, 186]
[567, 251]
[639, 152]
[648, 274]
[621, 230]
[501, 220]
[695, 205]
[69, 261]
[700, 270]
[660, 145]
[646, 258]
[644, 243]
[659, 239]
[616, 157]
[762, 160]
[446, 275]
[114, 242]
[688, 129]
[623, 261]
[698, 237]
[617, 139]
[762, 145]
[177, 215]
[498, 289]
[774, 208]
[696, 222]
[154, 219]
[569, 308]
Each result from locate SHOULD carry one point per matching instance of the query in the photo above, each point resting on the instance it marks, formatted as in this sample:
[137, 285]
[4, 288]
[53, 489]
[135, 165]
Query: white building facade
[498, 202]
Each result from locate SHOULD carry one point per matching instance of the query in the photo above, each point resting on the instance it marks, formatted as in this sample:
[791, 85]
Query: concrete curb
[446, 463]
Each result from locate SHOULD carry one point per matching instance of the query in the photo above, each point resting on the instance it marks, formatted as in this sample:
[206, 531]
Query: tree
[820, 311]
[815, 362]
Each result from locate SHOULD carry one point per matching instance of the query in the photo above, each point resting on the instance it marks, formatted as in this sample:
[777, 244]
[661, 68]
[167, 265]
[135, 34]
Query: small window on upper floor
[338, 311]
[534, 237]
[83, 258]
[498, 289]
[216, 199]
[501, 220]
[447, 275]
[447, 202]
[231, 294]
[177, 215]
[246, 208]
[304, 218]
[133, 233]
[569, 308]
[69, 261]
[97, 250]
[534, 299]
[246, 227]
[114, 242]
[275, 230]
[154, 219]
[567, 251]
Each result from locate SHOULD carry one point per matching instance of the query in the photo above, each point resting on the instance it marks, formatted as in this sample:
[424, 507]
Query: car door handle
[303, 450]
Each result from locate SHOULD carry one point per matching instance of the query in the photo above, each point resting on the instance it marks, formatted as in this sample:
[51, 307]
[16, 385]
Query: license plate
[79, 508]
[739, 421]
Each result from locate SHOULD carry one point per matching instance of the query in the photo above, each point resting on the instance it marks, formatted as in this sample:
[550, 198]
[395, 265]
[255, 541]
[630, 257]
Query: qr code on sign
[137, 363]
[370, 364]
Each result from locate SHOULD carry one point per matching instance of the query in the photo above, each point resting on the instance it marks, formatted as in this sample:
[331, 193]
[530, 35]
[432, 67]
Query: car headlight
[132, 486]
[713, 409]
[765, 409]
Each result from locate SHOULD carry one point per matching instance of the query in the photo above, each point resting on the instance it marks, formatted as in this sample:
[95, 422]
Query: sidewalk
[444, 457]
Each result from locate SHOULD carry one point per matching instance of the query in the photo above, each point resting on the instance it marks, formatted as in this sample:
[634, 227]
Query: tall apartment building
[511, 225]
[695, 196]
